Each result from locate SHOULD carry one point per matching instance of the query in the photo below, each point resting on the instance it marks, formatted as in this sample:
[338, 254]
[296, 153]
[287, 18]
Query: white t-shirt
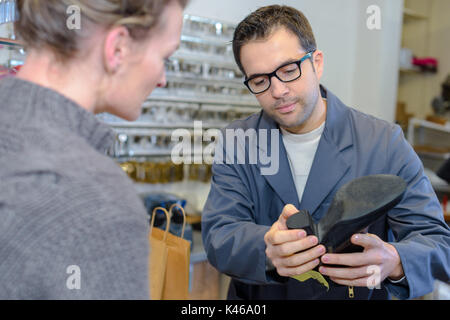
[301, 149]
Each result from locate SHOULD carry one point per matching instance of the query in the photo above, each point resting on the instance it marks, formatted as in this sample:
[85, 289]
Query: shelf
[203, 99]
[152, 153]
[413, 15]
[414, 122]
[155, 153]
[434, 155]
[153, 125]
[173, 77]
[10, 42]
[163, 156]
[441, 188]
[429, 125]
[141, 132]
[205, 40]
[208, 21]
[438, 184]
[217, 61]
[409, 71]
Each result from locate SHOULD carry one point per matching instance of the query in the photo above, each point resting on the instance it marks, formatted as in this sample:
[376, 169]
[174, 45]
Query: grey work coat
[243, 203]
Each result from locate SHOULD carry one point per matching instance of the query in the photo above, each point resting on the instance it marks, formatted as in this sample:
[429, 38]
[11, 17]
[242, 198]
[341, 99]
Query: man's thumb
[288, 211]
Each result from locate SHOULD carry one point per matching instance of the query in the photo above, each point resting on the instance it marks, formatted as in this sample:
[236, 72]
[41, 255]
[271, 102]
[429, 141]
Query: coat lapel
[331, 162]
[282, 181]
[328, 168]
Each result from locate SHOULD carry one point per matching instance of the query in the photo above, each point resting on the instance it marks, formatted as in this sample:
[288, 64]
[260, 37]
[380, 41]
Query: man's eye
[258, 81]
[288, 70]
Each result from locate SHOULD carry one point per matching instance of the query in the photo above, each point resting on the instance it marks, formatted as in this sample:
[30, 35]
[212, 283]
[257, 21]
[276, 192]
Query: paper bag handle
[184, 216]
[153, 221]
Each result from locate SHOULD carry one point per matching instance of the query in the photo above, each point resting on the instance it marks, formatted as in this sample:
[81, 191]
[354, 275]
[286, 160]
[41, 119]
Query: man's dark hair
[262, 22]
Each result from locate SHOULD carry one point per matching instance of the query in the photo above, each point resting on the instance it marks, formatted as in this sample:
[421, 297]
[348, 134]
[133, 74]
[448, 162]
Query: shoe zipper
[351, 292]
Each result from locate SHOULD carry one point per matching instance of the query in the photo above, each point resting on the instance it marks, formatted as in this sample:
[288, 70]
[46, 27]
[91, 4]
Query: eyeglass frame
[274, 73]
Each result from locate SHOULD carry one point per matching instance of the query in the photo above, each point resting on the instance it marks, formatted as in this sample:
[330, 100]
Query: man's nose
[278, 88]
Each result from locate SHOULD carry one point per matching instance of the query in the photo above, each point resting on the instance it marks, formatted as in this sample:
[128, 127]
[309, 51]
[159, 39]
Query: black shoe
[355, 206]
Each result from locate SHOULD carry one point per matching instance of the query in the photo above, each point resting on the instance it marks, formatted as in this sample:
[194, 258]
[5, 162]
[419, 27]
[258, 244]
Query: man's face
[290, 104]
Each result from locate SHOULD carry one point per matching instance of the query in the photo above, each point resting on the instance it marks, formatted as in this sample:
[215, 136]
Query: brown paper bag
[158, 256]
[176, 283]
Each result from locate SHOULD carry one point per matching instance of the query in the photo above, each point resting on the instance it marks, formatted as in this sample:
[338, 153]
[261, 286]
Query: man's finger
[282, 236]
[294, 271]
[346, 259]
[307, 254]
[366, 240]
[345, 273]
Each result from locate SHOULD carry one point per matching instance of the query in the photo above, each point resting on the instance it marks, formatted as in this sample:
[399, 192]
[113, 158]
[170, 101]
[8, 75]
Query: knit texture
[71, 224]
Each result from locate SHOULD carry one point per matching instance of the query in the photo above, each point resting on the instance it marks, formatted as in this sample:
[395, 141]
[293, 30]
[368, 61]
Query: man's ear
[116, 48]
[318, 63]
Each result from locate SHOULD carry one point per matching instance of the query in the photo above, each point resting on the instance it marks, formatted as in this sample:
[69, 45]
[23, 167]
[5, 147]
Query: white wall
[360, 65]
[375, 81]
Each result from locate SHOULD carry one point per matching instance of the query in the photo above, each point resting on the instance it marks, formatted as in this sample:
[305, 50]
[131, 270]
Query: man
[323, 145]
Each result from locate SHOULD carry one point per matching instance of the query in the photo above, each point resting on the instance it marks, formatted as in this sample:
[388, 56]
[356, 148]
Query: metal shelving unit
[203, 84]
[10, 42]
[11, 50]
[8, 12]
[202, 74]
[419, 130]
[431, 142]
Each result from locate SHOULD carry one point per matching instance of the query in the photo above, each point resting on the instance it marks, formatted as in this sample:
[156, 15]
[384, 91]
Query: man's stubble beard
[305, 112]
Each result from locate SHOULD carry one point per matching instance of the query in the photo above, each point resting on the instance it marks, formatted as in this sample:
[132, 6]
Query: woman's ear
[116, 48]
[318, 63]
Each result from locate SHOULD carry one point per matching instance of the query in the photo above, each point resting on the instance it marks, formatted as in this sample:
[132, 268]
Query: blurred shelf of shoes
[204, 92]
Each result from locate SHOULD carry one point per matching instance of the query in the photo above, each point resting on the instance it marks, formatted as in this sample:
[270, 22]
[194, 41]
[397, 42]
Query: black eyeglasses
[288, 72]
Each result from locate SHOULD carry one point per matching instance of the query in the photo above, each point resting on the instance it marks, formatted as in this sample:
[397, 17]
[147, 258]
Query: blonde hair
[43, 23]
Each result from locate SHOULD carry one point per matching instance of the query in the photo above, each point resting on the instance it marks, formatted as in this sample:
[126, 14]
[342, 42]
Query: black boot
[355, 206]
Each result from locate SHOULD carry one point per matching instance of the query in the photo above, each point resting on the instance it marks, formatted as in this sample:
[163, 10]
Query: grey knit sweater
[71, 225]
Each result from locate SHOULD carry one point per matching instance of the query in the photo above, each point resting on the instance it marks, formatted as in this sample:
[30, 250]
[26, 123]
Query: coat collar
[330, 163]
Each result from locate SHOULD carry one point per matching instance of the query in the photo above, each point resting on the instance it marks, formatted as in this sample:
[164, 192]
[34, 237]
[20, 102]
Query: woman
[71, 226]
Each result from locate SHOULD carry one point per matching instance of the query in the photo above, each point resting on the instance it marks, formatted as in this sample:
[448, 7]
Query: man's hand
[369, 268]
[283, 246]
